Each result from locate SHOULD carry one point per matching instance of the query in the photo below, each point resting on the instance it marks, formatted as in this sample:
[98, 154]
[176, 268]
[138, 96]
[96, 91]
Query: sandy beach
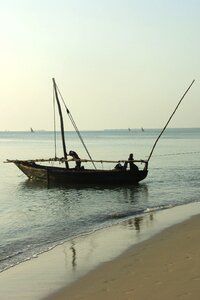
[165, 267]
[155, 256]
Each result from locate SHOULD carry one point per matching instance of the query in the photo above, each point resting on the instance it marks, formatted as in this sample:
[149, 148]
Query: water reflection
[137, 223]
[134, 224]
[31, 184]
[73, 255]
[89, 250]
[57, 214]
[84, 205]
[127, 190]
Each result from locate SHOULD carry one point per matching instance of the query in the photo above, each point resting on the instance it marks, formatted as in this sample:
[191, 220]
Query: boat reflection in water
[88, 251]
[92, 223]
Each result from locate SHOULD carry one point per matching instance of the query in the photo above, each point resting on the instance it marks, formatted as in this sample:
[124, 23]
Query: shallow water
[34, 218]
[51, 271]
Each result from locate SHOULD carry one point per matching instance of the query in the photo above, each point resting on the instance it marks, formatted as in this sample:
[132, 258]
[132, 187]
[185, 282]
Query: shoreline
[163, 267]
[71, 263]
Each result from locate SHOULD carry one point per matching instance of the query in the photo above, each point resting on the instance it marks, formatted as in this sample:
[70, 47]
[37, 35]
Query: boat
[68, 176]
[123, 173]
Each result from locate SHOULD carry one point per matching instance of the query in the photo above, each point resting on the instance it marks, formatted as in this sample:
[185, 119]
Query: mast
[61, 124]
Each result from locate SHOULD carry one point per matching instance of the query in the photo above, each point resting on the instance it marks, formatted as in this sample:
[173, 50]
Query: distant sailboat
[142, 128]
[31, 129]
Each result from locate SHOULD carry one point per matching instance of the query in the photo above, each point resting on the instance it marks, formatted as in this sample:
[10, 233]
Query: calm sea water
[34, 218]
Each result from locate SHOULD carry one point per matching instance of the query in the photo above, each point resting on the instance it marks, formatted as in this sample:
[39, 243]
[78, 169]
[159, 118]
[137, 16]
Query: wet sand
[164, 267]
[141, 258]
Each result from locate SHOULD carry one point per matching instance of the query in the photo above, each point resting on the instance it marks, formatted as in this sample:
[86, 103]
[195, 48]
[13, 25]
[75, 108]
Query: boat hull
[86, 176]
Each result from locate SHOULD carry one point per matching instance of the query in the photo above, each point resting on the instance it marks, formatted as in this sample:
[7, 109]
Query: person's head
[131, 156]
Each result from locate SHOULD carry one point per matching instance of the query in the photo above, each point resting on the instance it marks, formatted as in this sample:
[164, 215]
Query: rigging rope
[178, 153]
[54, 118]
[76, 128]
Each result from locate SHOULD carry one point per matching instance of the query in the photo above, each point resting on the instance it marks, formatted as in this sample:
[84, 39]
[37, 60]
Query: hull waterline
[86, 176]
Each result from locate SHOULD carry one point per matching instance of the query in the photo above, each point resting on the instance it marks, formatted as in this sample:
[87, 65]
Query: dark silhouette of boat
[70, 176]
[125, 171]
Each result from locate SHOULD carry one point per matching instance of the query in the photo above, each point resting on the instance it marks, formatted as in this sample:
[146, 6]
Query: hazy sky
[118, 63]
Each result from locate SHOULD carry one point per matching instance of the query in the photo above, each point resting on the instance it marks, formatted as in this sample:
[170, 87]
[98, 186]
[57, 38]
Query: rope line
[178, 153]
[76, 129]
[54, 120]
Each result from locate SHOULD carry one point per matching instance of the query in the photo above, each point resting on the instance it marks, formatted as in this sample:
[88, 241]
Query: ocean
[35, 218]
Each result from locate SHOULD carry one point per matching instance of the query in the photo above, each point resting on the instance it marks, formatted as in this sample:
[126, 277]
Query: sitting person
[119, 167]
[75, 156]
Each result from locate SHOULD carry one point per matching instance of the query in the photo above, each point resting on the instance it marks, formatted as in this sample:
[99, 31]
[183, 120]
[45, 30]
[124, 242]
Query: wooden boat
[34, 170]
[128, 173]
[64, 175]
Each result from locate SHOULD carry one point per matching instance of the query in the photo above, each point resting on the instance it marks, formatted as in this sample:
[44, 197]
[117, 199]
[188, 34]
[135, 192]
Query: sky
[118, 63]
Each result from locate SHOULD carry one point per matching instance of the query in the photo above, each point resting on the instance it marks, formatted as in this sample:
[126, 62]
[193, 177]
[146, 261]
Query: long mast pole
[61, 123]
[169, 120]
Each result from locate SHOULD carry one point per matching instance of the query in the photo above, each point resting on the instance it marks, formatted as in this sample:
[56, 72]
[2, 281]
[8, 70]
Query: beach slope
[166, 266]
